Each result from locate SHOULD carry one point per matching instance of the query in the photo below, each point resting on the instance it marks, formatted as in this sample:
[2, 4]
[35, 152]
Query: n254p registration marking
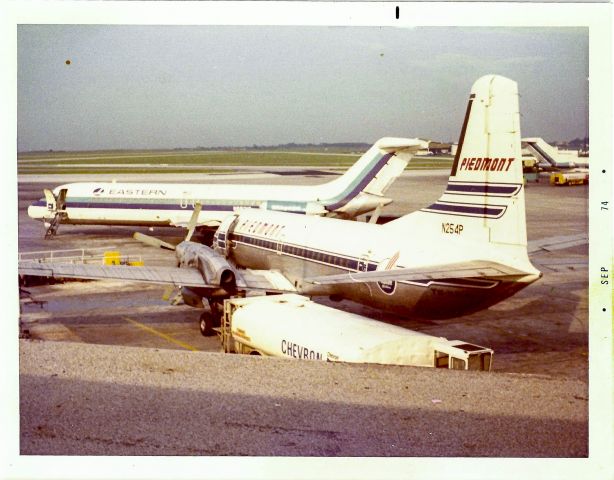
[452, 228]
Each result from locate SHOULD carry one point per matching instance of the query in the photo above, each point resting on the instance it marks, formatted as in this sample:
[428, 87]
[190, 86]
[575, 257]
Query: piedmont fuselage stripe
[482, 210]
[349, 264]
[483, 189]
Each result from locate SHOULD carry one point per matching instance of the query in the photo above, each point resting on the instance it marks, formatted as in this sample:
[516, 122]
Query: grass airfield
[165, 162]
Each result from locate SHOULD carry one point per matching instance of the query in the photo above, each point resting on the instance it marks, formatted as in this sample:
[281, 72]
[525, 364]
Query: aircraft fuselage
[301, 249]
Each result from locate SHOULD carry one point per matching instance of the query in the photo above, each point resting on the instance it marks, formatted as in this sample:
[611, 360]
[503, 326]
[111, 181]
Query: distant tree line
[355, 147]
[575, 144]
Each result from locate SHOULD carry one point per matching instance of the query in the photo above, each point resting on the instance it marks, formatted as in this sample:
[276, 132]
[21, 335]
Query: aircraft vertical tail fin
[372, 174]
[545, 153]
[399, 152]
[484, 198]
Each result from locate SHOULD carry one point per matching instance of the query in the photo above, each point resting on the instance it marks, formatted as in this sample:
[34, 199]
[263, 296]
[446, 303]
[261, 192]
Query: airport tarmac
[540, 339]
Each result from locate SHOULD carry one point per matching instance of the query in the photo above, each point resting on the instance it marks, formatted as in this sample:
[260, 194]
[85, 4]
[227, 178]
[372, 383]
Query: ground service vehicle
[569, 178]
[293, 326]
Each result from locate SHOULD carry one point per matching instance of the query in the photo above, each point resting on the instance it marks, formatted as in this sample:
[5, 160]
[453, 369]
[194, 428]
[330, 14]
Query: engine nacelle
[217, 271]
[192, 298]
[214, 268]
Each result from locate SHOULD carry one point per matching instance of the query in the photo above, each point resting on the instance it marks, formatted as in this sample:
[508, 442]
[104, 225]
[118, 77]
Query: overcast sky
[178, 86]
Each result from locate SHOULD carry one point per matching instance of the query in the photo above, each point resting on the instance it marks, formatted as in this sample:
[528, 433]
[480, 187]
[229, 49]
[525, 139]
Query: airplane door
[61, 202]
[280, 244]
[363, 263]
[186, 200]
[50, 199]
[221, 242]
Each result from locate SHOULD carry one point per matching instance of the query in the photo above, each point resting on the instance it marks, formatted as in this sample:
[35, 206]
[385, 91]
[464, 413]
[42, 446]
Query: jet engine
[214, 268]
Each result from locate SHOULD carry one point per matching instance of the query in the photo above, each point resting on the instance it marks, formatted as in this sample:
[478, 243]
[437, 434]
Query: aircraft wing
[254, 280]
[475, 269]
[186, 277]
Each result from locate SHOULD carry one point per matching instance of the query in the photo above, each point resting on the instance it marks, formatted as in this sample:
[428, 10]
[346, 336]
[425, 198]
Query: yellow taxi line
[161, 335]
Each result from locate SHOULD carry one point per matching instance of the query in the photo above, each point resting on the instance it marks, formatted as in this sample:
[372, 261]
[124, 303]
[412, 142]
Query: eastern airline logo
[487, 164]
[98, 191]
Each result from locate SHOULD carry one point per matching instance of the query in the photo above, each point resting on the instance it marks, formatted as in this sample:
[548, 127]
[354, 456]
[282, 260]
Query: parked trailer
[292, 326]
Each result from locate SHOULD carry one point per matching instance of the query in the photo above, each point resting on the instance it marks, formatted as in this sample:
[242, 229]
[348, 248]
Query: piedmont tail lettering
[487, 164]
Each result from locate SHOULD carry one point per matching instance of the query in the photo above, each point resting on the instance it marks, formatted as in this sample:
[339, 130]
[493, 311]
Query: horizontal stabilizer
[476, 269]
[557, 243]
[562, 265]
[391, 144]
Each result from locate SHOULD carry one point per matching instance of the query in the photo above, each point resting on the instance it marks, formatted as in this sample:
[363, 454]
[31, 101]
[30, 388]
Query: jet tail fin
[484, 199]
[398, 152]
[545, 153]
[369, 178]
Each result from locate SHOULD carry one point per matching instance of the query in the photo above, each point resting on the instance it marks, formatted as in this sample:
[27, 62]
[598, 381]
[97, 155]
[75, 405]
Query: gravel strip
[78, 399]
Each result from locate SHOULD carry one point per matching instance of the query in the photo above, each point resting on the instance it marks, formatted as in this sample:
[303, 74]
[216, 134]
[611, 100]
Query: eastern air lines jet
[464, 252]
[360, 190]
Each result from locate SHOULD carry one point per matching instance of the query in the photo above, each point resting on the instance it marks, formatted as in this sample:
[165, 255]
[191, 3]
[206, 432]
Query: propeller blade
[172, 295]
[177, 299]
[168, 291]
[193, 219]
[152, 241]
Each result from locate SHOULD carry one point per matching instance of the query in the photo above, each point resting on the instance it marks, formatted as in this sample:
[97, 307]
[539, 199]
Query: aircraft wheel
[206, 324]
[217, 309]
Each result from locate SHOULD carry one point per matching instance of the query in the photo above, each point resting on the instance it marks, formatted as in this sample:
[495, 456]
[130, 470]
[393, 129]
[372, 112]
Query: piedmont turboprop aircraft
[359, 190]
[464, 252]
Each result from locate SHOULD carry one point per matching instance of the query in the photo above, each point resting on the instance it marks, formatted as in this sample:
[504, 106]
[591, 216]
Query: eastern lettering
[136, 192]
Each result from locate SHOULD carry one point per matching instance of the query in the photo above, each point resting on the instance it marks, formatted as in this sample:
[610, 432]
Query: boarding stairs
[54, 224]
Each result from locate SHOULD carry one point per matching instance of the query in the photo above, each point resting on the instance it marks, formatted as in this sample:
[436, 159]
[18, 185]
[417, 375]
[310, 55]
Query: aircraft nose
[37, 209]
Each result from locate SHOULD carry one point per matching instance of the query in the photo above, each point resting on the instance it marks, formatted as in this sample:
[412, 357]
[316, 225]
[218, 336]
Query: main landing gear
[210, 320]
